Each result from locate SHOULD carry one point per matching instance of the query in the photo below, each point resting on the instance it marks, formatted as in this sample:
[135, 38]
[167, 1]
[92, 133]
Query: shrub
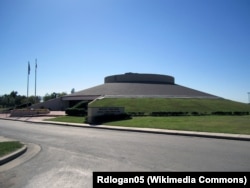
[136, 113]
[80, 109]
[195, 113]
[222, 113]
[23, 106]
[169, 113]
[82, 104]
[110, 117]
[240, 113]
[76, 112]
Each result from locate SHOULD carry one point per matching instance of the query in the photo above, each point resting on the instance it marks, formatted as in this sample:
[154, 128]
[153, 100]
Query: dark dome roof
[140, 78]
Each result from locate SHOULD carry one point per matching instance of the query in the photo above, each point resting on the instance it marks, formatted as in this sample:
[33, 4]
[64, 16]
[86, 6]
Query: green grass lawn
[218, 124]
[68, 119]
[208, 123]
[8, 147]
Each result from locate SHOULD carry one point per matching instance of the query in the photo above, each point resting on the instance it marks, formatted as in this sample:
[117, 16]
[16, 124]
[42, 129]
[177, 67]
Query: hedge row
[169, 113]
[83, 112]
[238, 113]
[76, 112]
[111, 117]
[230, 113]
[136, 113]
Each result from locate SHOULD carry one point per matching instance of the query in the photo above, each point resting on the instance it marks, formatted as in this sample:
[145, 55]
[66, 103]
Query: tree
[61, 94]
[34, 99]
[14, 100]
[53, 95]
[13, 94]
[9, 100]
[48, 97]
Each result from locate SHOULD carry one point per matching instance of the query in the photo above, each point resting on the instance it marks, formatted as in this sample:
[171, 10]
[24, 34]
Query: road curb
[227, 136]
[155, 131]
[13, 155]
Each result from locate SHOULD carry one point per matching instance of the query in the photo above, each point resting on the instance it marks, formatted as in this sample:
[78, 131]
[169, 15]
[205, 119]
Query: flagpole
[35, 79]
[28, 80]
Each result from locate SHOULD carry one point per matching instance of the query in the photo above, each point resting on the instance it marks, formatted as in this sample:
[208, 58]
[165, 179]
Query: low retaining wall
[100, 111]
[28, 112]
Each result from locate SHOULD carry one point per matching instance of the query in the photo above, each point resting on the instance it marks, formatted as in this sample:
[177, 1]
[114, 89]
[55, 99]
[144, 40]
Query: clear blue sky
[204, 44]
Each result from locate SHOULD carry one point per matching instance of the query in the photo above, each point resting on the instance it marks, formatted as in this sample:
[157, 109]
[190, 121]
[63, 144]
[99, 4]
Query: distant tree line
[14, 100]
[53, 96]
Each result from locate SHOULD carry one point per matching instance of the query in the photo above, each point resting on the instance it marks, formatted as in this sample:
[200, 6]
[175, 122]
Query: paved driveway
[69, 155]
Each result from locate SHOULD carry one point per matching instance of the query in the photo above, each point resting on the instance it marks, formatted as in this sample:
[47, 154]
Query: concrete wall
[54, 104]
[100, 111]
[140, 78]
[28, 112]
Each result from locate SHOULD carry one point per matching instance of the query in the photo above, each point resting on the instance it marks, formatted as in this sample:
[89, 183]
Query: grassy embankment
[148, 105]
[206, 123]
[8, 147]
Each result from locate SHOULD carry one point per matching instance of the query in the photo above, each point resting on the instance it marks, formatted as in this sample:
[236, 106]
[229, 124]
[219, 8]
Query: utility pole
[248, 97]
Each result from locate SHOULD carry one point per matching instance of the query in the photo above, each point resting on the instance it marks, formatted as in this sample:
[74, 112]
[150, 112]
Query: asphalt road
[69, 155]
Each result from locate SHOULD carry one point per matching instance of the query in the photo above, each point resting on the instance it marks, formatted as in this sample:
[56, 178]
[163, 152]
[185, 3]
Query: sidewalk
[52, 114]
[40, 119]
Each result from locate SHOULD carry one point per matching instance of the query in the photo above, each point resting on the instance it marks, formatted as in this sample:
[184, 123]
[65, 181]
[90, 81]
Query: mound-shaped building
[138, 85]
[132, 85]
